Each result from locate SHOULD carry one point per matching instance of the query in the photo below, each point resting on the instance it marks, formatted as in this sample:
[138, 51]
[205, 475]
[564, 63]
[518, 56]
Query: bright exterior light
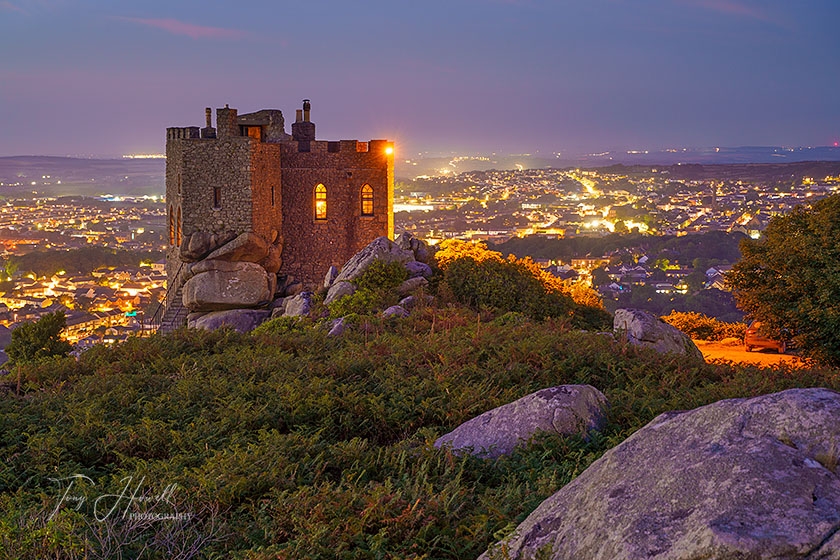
[389, 150]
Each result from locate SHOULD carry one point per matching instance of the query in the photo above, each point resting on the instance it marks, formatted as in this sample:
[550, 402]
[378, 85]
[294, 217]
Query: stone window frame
[366, 196]
[319, 194]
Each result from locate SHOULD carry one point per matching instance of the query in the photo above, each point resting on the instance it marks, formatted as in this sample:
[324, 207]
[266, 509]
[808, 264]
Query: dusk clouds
[190, 30]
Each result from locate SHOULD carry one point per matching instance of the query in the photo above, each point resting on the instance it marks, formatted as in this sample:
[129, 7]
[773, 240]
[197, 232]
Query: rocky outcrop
[220, 285]
[411, 302]
[403, 250]
[740, 478]
[329, 278]
[394, 312]
[338, 291]
[380, 249]
[337, 327]
[567, 409]
[272, 261]
[416, 268]
[241, 320]
[422, 252]
[646, 329]
[198, 245]
[298, 306]
[412, 285]
[247, 247]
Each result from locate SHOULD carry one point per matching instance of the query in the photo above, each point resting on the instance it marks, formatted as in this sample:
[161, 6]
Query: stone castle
[247, 193]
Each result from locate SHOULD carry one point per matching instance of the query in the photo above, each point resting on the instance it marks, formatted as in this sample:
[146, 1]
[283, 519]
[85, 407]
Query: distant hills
[22, 176]
[742, 155]
[57, 176]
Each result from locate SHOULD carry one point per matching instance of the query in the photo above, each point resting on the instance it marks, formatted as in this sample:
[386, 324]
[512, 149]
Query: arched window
[320, 202]
[171, 227]
[367, 200]
[178, 231]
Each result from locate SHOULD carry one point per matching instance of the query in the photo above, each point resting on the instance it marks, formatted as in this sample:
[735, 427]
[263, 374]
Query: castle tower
[315, 203]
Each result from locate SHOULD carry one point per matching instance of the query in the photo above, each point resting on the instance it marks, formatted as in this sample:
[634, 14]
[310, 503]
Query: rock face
[411, 285]
[382, 249]
[740, 478]
[242, 320]
[217, 287]
[395, 311]
[248, 247]
[646, 329]
[272, 261]
[416, 268]
[329, 278]
[421, 251]
[337, 327]
[298, 306]
[339, 290]
[567, 409]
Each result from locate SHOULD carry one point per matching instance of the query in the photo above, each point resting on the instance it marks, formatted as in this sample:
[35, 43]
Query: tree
[790, 278]
[40, 339]
[695, 281]
[600, 277]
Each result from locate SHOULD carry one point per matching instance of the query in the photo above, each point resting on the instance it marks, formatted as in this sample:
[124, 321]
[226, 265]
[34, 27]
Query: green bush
[505, 285]
[281, 325]
[374, 290]
[293, 444]
[701, 327]
[38, 340]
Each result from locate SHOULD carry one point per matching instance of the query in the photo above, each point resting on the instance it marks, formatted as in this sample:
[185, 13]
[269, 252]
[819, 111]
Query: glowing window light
[389, 150]
[320, 202]
[367, 200]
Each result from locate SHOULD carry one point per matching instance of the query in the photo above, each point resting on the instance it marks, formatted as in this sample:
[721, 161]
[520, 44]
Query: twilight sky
[106, 77]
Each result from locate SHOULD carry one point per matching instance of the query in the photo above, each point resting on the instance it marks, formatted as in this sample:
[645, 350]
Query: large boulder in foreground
[382, 249]
[646, 329]
[739, 479]
[222, 285]
[567, 409]
[242, 320]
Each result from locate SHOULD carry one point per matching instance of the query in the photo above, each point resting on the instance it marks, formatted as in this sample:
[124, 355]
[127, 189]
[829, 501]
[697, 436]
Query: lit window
[171, 227]
[367, 200]
[320, 202]
[178, 231]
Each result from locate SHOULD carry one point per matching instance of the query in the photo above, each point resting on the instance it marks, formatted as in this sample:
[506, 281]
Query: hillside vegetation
[287, 443]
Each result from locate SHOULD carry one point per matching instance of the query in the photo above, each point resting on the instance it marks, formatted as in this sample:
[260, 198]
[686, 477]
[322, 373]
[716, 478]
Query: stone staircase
[175, 315]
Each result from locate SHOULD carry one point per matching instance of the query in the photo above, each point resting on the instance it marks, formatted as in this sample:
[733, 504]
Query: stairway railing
[155, 320]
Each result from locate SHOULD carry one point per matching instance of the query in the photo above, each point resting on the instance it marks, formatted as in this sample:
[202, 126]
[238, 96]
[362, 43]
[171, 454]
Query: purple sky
[512, 76]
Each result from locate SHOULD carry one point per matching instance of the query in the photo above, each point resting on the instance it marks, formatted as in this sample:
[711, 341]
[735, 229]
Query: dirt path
[735, 352]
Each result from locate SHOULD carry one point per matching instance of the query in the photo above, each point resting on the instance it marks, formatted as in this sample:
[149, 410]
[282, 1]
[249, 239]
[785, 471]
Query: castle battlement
[315, 202]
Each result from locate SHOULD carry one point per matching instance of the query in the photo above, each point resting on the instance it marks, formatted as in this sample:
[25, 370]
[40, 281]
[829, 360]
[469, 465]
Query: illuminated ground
[735, 352]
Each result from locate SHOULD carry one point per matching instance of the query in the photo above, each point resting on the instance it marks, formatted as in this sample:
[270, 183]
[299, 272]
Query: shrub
[280, 325]
[701, 327]
[314, 447]
[484, 280]
[374, 290]
[39, 339]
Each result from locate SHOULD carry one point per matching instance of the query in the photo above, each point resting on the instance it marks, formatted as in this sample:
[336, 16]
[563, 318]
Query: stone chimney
[208, 131]
[303, 130]
[226, 123]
